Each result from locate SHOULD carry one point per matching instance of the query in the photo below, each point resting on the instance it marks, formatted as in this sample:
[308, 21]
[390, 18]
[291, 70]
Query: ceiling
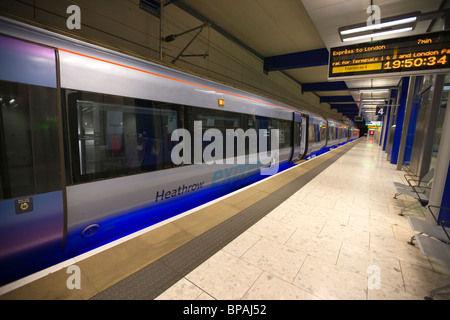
[280, 31]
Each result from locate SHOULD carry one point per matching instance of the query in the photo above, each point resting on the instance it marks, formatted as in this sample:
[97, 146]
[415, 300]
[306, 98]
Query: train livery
[86, 137]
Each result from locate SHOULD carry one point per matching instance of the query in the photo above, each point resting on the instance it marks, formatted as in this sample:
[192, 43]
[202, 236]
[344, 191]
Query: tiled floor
[339, 237]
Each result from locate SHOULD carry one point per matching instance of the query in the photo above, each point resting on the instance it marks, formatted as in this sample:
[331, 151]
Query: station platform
[326, 229]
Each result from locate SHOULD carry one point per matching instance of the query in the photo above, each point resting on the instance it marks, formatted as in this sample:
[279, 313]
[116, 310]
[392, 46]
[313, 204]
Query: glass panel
[221, 120]
[17, 156]
[440, 122]
[315, 131]
[297, 134]
[45, 134]
[29, 149]
[115, 136]
[323, 130]
[285, 128]
[266, 124]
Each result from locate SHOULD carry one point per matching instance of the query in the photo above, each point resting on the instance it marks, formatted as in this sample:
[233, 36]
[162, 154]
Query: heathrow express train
[86, 144]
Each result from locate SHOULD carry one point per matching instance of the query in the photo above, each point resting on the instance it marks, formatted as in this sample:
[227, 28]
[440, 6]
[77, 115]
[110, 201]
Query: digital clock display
[426, 53]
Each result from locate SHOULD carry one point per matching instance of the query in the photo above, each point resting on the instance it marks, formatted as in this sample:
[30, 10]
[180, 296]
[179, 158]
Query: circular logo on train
[90, 230]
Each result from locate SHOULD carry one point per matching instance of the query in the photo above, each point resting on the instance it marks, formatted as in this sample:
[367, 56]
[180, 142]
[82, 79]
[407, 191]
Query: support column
[386, 126]
[383, 128]
[407, 117]
[399, 120]
[440, 192]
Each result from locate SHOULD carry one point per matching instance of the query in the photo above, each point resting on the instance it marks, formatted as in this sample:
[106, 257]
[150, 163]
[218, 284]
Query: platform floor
[329, 240]
[326, 229]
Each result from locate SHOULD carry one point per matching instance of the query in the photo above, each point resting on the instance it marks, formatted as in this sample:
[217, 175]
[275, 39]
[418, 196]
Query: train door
[31, 197]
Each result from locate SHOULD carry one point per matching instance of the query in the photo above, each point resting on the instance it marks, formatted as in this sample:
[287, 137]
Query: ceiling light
[377, 34]
[391, 25]
[374, 100]
[373, 90]
[379, 25]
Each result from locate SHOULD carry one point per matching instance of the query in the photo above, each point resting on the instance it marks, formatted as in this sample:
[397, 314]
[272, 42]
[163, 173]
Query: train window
[331, 132]
[29, 143]
[217, 119]
[285, 128]
[323, 131]
[264, 123]
[220, 120]
[114, 136]
[314, 133]
[297, 133]
[311, 133]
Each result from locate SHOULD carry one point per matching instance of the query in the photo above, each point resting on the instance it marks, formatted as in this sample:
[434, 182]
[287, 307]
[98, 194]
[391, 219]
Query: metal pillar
[409, 100]
[387, 125]
[400, 116]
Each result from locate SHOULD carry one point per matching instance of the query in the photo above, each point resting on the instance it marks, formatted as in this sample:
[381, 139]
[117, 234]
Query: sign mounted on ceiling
[427, 53]
[373, 123]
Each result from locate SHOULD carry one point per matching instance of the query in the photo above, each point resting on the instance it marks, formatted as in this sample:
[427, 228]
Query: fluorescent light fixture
[373, 90]
[386, 26]
[373, 100]
[379, 25]
[378, 34]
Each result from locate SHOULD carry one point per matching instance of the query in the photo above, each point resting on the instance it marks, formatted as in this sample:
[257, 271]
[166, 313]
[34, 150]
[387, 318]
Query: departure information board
[421, 54]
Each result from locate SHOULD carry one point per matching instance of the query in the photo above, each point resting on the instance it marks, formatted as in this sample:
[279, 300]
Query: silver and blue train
[85, 144]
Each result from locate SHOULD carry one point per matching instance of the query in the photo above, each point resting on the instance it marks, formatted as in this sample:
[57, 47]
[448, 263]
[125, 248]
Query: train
[87, 139]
